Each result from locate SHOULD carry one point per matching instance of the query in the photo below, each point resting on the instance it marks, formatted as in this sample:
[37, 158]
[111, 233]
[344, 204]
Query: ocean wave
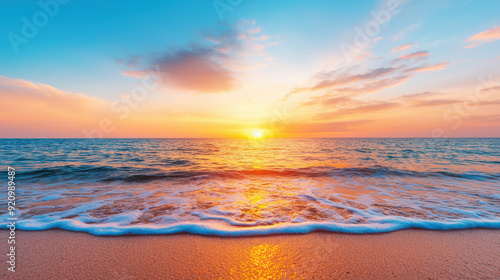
[260, 205]
[138, 175]
[243, 187]
[380, 226]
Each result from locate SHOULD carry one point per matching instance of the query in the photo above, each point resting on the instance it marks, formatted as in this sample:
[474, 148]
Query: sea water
[233, 187]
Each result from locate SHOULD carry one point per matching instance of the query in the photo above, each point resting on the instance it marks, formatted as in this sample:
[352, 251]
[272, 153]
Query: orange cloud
[318, 128]
[38, 110]
[196, 70]
[425, 99]
[435, 67]
[483, 37]
[135, 74]
[404, 32]
[435, 102]
[364, 107]
[212, 65]
[343, 82]
[415, 55]
[339, 80]
[400, 48]
[373, 86]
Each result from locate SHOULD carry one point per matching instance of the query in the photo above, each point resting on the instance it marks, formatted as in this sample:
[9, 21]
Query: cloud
[419, 95]
[37, 110]
[373, 86]
[436, 67]
[400, 48]
[321, 127]
[415, 55]
[211, 65]
[345, 106]
[131, 61]
[363, 107]
[425, 99]
[487, 36]
[492, 88]
[332, 79]
[486, 119]
[349, 79]
[490, 102]
[196, 70]
[329, 100]
[405, 31]
[432, 103]
[345, 81]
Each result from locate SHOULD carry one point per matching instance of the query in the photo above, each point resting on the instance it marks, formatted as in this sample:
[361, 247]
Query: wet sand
[406, 254]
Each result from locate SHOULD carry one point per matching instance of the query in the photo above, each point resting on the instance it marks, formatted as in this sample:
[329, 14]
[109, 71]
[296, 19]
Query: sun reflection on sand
[264, 261]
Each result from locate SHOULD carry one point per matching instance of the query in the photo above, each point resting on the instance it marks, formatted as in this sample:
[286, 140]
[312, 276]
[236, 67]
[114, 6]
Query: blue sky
[100, 49]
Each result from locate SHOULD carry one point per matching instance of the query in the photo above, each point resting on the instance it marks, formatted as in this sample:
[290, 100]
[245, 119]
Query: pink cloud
[414, 55]
[366, 107]
[135, 74]
[400, 48]
[196, 71]
[373, 86]
[348, 79]
[483, 37]
[425, 99]
[321, 127]
[435, 67]
[404, 31]
[38, 110]
[212, 65]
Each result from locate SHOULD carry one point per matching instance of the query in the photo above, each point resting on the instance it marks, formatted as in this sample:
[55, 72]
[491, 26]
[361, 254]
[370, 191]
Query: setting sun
[258, 133]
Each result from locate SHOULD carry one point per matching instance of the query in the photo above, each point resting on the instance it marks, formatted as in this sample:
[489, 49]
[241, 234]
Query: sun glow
[257, 133]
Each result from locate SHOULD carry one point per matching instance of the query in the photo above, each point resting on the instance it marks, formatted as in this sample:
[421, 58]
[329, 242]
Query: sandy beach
[406, 254]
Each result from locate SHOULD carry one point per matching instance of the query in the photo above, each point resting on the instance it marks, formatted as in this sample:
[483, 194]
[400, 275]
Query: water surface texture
[249, 186]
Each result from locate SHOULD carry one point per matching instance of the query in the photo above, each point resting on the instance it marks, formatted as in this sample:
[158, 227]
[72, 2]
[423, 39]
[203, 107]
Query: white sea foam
[263, 205]
[376, 226]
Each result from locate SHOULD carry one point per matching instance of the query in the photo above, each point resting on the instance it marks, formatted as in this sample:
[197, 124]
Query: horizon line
[38, 138]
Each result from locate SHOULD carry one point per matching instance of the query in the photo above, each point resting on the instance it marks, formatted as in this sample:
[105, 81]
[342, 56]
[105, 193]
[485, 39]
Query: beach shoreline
[408, 254]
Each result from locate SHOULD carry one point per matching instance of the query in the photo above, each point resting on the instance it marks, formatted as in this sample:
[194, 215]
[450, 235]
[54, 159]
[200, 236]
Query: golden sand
[406, 254]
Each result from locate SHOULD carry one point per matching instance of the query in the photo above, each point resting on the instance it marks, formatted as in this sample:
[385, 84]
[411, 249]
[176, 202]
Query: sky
[241, 68]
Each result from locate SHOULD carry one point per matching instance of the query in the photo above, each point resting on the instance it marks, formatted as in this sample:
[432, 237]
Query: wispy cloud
[363, 108]
[332, 79]
[372, 86]
[321, 127]
[400, 48]
[434, 103]
[347, 82]
[436, 67]
[487, 36]
[415, 55]
[402, 34]
[424, 99]
[345, 106]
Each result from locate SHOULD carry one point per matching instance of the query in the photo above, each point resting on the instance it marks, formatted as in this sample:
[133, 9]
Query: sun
[257, 133]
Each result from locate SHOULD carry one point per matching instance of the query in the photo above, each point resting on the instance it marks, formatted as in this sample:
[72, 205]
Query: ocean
[239, 187]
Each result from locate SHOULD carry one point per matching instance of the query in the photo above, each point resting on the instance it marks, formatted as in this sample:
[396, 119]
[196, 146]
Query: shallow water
[248, 186]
